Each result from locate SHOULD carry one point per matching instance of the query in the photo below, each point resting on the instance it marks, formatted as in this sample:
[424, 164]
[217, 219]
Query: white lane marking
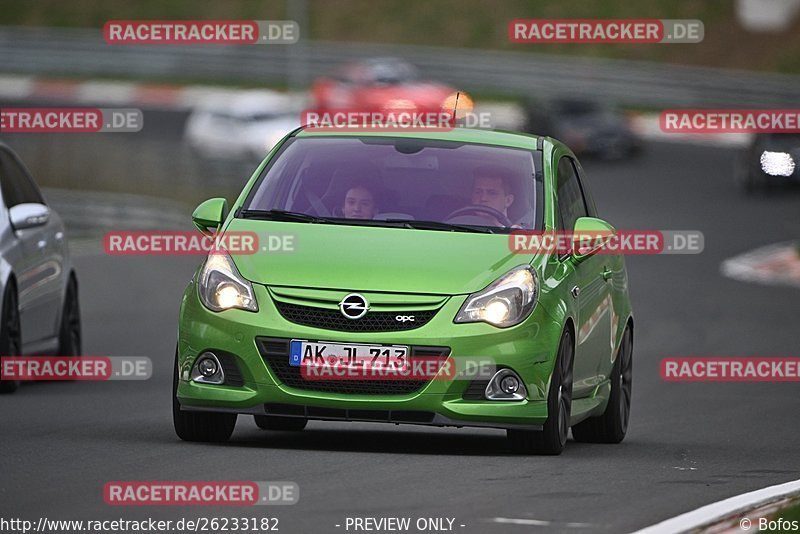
[777, 264]
[537, 522]
[714, 512]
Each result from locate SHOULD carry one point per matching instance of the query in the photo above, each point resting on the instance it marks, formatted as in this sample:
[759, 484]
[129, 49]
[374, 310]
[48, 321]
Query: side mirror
[590, 235]
[209, 215]
[28, 215]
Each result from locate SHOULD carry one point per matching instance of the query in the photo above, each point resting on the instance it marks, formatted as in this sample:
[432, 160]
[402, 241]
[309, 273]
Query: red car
[379, 85]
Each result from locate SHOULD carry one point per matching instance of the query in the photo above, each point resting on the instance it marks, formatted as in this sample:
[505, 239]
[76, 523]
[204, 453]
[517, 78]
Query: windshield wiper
[435, 225]
[282, 215]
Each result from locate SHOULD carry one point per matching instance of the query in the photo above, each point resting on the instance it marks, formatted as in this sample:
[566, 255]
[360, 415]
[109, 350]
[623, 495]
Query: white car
[39, 311]
[244, 126]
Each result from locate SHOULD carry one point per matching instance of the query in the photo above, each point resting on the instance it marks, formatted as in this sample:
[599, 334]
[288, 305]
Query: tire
[69, 332]
[612, 426]
[273, 422]
[553, 436]
[208, 427]
[10, 333]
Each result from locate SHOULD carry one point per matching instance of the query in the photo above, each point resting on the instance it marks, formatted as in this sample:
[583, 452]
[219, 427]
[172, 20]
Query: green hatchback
[384, 287]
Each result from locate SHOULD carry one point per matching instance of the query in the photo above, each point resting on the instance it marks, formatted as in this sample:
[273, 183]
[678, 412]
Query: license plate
[357, 356]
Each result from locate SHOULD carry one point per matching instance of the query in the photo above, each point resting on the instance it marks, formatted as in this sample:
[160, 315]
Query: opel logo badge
[354, 306]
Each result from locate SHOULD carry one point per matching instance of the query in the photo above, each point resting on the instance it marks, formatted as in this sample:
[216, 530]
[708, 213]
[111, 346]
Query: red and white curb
[117, 93]
[725, 509]
[506, 115]
[777, 264]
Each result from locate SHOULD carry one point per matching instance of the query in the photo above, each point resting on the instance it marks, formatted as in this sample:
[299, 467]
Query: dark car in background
[588, 126]
[769, 160]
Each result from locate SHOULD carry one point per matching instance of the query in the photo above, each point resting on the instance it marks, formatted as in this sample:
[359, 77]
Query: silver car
[39, 313]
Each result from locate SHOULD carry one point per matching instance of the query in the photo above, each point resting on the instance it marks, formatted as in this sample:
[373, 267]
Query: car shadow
[379, 440]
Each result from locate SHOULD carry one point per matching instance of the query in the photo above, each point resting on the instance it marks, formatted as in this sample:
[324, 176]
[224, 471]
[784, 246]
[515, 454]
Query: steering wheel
[501, 217]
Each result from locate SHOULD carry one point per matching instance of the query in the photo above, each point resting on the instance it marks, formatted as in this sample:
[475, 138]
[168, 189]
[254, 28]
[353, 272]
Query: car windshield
[403, 182]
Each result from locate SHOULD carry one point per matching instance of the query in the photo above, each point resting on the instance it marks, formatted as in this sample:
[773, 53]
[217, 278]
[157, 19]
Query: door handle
[575, 291]
[607, 274]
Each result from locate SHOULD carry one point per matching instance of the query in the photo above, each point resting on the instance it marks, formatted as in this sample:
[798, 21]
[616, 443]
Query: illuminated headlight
[221, 287]
[506, 302]
[777, 163]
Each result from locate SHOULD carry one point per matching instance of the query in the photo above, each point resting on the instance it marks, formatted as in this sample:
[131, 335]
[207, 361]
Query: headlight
[506, 302]
[221, 287]
[777, 163]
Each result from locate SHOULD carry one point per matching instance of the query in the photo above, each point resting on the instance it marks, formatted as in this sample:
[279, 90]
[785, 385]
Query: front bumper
[529, 349]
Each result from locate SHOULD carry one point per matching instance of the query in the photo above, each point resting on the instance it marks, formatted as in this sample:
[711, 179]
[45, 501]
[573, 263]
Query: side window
[17, 186]
[571, 204]
[587, 195]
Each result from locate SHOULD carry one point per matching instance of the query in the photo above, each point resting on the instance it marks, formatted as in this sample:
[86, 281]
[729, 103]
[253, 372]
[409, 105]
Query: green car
[380, 250]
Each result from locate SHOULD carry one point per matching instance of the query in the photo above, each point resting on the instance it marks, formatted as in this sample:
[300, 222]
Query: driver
[492, 188]
[359, 203]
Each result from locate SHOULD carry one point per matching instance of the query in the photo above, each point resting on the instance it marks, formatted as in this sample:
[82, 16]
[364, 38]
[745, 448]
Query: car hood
[380, 259]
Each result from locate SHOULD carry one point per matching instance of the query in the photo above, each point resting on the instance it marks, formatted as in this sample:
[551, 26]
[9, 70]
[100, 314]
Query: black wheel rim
[564, 388]
[625, 379]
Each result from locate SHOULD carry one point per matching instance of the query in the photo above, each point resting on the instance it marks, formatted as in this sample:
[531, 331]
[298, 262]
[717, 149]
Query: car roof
[463, 135]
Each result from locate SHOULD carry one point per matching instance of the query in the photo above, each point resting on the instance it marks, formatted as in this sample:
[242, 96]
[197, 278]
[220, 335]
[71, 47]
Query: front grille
[331, 319]
[275, 352]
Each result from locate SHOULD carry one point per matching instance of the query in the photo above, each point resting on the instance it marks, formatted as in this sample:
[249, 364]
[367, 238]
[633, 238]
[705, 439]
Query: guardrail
[81, 52]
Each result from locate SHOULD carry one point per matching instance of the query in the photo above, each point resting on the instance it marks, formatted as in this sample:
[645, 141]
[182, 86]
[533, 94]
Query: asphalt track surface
[688, 444]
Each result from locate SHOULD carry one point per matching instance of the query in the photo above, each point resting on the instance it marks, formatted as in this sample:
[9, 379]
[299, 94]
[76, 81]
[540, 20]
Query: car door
[39, 267]
[591, 290]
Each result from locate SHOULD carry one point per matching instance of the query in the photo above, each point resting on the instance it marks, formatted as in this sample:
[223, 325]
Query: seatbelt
[316, 203]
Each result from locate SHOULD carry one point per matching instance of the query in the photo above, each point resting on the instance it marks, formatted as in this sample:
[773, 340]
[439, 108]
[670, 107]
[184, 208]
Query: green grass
[791, 514]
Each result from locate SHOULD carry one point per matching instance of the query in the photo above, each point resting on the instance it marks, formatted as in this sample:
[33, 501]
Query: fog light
[207, 369]
[509, 385]
[505, 385]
